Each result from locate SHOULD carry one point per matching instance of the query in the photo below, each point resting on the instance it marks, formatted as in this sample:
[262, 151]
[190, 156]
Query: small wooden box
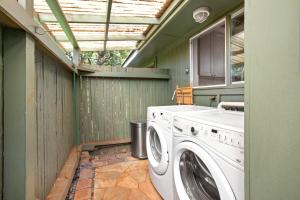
[184, 95]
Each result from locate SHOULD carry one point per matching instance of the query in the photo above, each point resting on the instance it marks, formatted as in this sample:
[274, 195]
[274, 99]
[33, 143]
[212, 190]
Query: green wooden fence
[54, 120]
[108, 104]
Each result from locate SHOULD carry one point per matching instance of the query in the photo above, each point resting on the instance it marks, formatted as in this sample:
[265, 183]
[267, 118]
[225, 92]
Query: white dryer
[208, 158]
[159, 145]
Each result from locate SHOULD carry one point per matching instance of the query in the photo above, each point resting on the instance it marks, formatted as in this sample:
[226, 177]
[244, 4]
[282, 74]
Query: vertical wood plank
[54, 120]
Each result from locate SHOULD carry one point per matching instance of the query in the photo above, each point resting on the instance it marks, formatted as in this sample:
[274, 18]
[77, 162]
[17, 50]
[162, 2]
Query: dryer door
[157, 149]
[197, 175]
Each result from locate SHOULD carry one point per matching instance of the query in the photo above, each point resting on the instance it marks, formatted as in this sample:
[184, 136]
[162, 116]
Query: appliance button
[154, 115]
[192, 129]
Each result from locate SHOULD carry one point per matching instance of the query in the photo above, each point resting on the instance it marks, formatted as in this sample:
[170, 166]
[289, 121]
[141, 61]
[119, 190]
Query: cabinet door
[218, 54]
[205, 55]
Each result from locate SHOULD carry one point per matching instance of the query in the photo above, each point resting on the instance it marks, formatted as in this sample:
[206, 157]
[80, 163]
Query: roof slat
[98, 45]
[101, 24]
[90, 36]
[88, 18]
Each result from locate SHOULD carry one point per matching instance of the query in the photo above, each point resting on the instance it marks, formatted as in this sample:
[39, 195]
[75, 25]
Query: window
[209, 56]
[237, 47]
[211, 64]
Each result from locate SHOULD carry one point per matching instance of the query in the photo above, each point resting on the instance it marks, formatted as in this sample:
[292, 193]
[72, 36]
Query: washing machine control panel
[227, 142]
[163, 118]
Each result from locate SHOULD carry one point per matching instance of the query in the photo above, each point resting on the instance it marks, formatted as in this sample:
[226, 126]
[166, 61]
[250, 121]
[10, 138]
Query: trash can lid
[138, 123]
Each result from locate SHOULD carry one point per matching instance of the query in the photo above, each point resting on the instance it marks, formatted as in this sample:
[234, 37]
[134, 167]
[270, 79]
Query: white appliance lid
[219, 118]
[183, 108]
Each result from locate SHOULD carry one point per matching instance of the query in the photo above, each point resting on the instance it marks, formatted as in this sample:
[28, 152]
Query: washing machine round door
[157, 150]
[197, 175]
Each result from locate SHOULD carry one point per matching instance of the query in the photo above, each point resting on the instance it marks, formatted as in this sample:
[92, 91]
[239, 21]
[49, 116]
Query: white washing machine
[159, 145]
[208, 156]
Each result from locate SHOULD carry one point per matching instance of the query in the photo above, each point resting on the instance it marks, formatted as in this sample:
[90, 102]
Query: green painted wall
[272, 99]
[54, 119]
[1, 111]
[107, 105]
[177, 59]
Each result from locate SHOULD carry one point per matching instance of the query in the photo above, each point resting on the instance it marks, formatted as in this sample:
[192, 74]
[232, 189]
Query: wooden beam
[16, 13]
[60, 188]
[85, 69]
[20, 138]
[102, 49]
[132, 75]
[109, 5]
[98, 19]
[90, 146]
[76, 57]
[63, 38]
[59, 15]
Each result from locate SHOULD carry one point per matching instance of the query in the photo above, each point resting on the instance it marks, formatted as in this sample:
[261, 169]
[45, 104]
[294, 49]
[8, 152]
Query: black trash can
[138, 139]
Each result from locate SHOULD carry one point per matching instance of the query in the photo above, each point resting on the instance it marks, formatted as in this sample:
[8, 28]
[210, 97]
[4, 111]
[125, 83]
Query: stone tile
[87, 165]
[149, 190]
[84, 160]
[114, 160]
[117, 176]
[98, 163]
[137, 165]
[84, 194]
[116, 193]
[99, 194]
[121, 155]
[105, 183]
[120, 167]
[148, 177]
[104, 157]
[84, 183]
[137, 195]
[127, 182]
[84, 154]
[123, 149]
[130, 158]
[139, 175]
[86, 173]
[107, 175]
[144, 164]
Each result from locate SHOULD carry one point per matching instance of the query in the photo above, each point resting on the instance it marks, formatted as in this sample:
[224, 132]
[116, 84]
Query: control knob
[154, 115]
[193, 131]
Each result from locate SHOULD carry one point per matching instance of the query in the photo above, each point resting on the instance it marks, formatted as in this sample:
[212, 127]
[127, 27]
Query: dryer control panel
[226, 142]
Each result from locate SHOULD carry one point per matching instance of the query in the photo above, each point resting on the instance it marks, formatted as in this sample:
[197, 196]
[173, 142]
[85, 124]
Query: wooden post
[20, 133]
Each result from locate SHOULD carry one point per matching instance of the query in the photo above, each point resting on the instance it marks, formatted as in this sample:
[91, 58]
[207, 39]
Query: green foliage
[105, 58]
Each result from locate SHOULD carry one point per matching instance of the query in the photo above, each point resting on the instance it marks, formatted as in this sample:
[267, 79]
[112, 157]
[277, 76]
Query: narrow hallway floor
[110, 173]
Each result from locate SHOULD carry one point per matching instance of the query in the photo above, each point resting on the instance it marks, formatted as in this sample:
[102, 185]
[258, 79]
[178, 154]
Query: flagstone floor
[112, 174]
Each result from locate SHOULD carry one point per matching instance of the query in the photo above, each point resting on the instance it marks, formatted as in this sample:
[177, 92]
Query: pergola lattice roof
[96, 25]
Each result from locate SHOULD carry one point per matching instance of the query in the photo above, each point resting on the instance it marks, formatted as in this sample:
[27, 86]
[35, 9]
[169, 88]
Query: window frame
[232, 15]
[228, 79]
[192, 46]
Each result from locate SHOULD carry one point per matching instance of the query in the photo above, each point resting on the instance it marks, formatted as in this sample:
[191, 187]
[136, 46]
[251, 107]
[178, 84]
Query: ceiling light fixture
[201, 14]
